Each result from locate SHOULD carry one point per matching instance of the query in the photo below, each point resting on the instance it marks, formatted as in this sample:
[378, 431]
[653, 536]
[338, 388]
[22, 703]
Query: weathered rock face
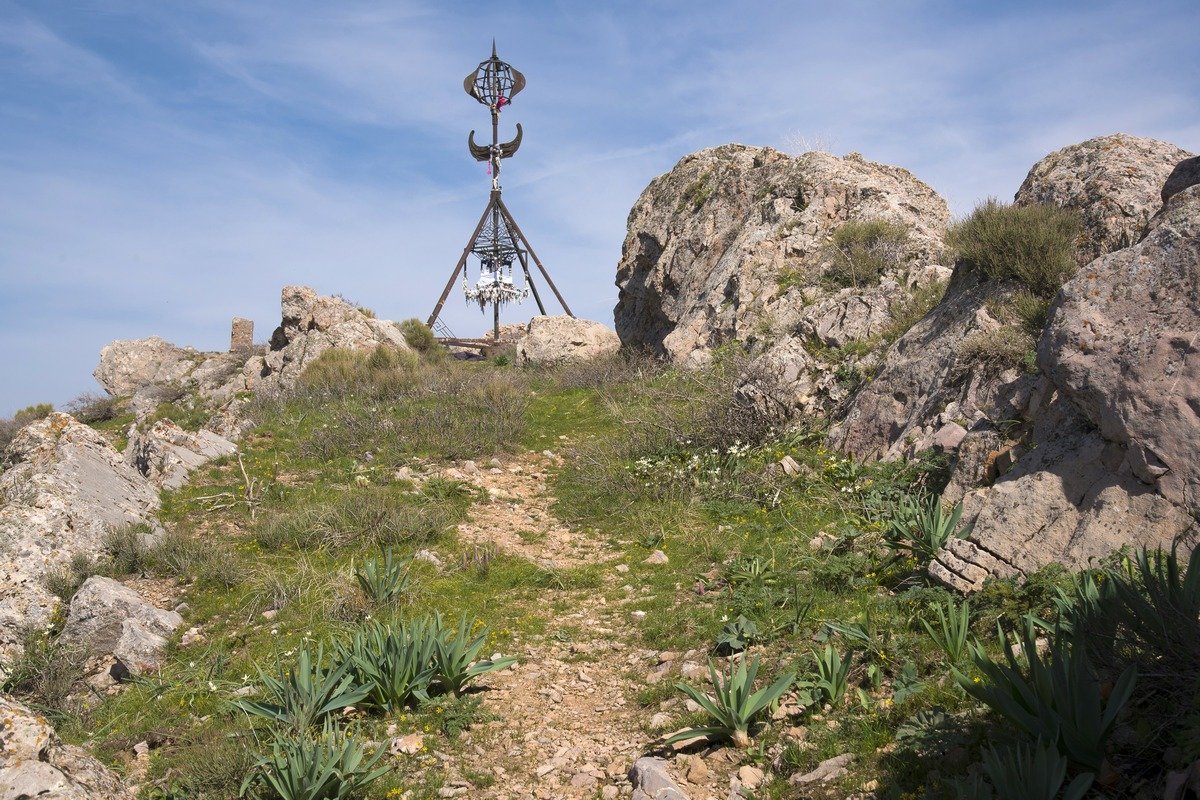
[311, 325]
[66, 489]
[563, 339]
[1115, 182]
[107, 617]
[1115, 458]
[152, 370]
[34, 763]
[710, 241]
[166, 453]
[928, 381]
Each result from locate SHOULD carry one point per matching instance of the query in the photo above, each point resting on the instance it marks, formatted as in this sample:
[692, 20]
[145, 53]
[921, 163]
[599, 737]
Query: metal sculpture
[497, 242]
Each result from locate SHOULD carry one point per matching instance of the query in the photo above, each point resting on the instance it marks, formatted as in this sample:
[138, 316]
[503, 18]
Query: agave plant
[953, 632]
[305, 694]
[1032, 772]
[735, 706]
[921, 529]
[1059, 701]
[328, 766]
[456, 654]
[384, 581]
[833, 674]
[394, 662]
[1161, 604]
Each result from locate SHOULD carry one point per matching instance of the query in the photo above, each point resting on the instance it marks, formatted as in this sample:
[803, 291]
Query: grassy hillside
[548, 542]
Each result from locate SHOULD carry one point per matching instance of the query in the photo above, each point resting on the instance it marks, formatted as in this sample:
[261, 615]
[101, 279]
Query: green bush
[736, 706]
[921, 527]
[300, 697]
[1032, 245]
[418, 335]
[862, 251]
[303, 766]
[9, 427]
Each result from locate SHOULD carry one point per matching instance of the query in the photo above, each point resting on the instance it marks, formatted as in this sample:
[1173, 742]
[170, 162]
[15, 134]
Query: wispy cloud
[166, 167]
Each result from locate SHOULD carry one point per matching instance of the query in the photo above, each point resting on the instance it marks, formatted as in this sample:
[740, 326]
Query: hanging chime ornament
[497, 242]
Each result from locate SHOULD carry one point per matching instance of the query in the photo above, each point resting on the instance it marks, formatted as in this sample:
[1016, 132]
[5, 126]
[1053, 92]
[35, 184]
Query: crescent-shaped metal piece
[480, 153]
[469, 85]
[508, 149]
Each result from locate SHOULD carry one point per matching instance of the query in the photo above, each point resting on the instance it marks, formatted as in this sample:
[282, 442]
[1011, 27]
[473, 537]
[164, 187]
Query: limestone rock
[1123, 345]
[922, 375]
[107, 617]
[166, 453]
[651, 781]
[727, 244]
[312, 324]
[562, 339]
[35, 763]
[1116, 183]
[151, 371]
[65, 490]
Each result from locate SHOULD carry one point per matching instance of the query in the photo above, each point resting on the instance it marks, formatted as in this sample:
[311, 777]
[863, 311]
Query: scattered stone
[429, 557]
[622, 568]
[790, 465]
[637, 616]
[412, 743]
[751, 777]
[697, 771]
[660, 721]
[657, 557]
[652, 782]
[828, 770]
[105, 615]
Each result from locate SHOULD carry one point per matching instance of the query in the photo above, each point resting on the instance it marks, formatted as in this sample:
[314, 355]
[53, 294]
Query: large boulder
[151, 371]
[166, 453]
[64, 490]
[34, 763]
[1116, 183]
[562, 339]
[733, 243]
[311, 325]
[107, 617]
[1115, 458]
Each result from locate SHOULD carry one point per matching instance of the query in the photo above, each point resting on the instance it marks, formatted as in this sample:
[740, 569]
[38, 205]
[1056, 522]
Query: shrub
[1006, 347]
[1029, 772]
[91, 408]
[10, 427]
[1032, 245]
[862, 251]
[393, 663]
[912, 309]
[384, 581]
[44, 675]
[64, 580]
[456, 656]
[418, 335]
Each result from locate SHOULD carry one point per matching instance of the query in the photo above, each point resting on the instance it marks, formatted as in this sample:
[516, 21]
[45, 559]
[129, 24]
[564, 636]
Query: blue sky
[168, 165]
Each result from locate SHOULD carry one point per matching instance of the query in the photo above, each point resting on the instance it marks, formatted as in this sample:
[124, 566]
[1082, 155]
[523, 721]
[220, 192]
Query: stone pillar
[241, 338]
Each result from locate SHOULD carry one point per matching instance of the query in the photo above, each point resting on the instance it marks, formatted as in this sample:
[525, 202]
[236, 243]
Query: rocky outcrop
[561, 340]
[311, 325]
[152, 371]
[1114, 182]
[1115, 458]
[34, 763]
[65, 489]
[651, 781]
[166, 453]
[733, 243]
[107, 617]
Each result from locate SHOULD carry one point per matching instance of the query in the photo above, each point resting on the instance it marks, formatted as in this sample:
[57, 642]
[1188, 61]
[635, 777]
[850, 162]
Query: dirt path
[568, 724]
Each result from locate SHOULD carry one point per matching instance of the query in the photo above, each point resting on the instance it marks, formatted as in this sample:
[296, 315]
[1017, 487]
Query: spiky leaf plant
[384, 581]
[1032, 772]
[833, 674]
[394, 662]
[922, 528]
[456, 655]
[301, 766]
[953, 632]
[305, 694]
[735, 706]
[1057, 699]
